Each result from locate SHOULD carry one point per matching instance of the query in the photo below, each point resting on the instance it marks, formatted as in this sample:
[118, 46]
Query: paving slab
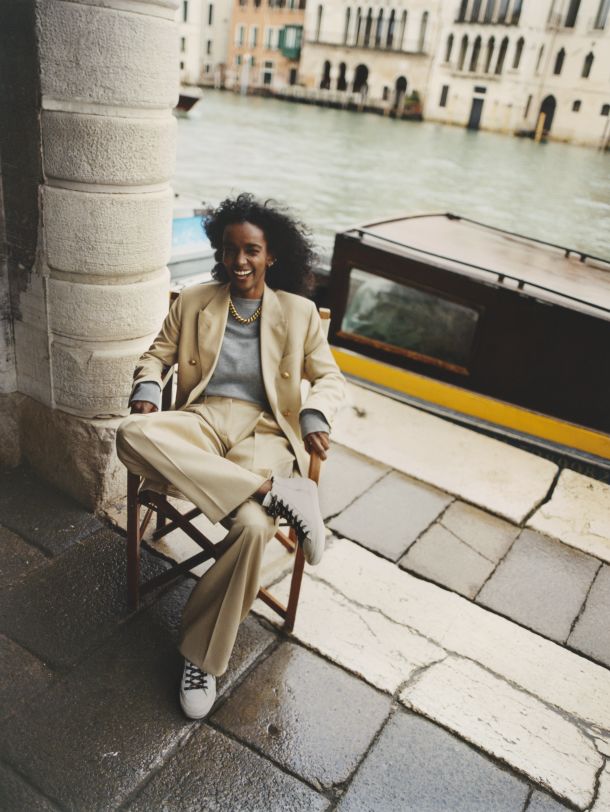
[545, 669]
[17, 557]
[417, 766]
[22, 676]
[360, 639]
[305, 714]
[510, 725]
[63, 610]
[442, 557]
[16, 795]
[487, 534]
[591, 634]
[391, 515]
[212, 773]
[540, 802]
[542, 584]
[344, 476]
[42, 515]
[485, 472]
[93, 737]
[578, 513]
[602, 802]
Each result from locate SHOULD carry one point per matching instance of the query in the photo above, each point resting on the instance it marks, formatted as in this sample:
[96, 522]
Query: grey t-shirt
[238, 373]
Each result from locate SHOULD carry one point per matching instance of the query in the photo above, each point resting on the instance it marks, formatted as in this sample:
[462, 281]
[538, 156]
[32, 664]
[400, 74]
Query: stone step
[551, 708]
[486, 472]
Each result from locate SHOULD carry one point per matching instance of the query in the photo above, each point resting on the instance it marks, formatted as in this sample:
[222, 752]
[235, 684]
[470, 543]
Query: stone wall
[95, 287]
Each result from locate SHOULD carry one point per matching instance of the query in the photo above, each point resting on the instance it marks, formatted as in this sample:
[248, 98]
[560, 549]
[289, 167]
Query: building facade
[203, 30]
[517, 65]
[264, 47]
[382, 51]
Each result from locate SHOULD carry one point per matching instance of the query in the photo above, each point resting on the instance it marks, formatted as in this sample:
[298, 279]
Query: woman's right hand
[142, 407]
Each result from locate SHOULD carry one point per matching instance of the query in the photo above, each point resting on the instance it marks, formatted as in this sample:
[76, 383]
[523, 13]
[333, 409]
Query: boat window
[402, 319]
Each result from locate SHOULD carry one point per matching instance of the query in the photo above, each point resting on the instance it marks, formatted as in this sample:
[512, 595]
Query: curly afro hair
[287, 238]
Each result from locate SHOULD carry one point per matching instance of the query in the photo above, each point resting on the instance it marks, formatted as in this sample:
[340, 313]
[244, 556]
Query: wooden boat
[187, 99]
[192, 256]
[506, 332]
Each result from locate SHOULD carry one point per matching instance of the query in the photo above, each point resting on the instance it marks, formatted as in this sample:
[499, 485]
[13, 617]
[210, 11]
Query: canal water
[337, 168]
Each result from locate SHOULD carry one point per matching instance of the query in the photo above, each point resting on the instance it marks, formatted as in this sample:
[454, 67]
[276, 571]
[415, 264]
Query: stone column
[99, 290]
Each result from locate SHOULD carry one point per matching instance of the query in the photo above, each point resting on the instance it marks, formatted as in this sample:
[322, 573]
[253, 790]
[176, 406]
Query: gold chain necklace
[241, 319]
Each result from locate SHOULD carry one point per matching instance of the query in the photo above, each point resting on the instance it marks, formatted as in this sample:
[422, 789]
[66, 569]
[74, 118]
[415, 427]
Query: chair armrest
[315, 465]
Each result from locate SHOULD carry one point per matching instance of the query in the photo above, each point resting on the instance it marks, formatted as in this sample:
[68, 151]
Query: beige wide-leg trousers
[217, 453]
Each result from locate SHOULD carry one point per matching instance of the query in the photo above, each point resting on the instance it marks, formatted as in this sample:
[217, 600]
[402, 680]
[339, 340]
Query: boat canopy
[544, 270]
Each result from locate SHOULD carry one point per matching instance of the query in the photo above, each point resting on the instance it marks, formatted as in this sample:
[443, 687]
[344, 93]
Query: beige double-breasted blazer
[292, 343]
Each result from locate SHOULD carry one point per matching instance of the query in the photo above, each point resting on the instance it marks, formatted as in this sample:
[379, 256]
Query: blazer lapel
[273, 338]
[211, 326]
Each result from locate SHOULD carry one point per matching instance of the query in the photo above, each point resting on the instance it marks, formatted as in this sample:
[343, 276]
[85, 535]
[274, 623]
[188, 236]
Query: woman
[239, 429]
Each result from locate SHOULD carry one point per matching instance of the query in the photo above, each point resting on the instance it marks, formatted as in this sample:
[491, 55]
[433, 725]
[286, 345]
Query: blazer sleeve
[328, 389]
[163, 352]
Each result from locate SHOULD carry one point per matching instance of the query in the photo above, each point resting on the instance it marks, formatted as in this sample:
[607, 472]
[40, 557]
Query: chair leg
[133, 542]
[295, 585]
[161, 518]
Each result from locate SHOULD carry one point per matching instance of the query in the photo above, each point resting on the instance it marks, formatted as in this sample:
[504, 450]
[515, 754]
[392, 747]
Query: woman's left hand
[318, 442]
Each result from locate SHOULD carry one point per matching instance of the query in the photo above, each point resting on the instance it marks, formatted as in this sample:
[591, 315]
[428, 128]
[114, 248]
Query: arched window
[602, 14]
[463, 49]
[605, 111]
[400, 91]
[325, 80]
[572, 13]
[516, 15]
[547, 108]
[503, 11]
[576, 105]
[341, 79]
[391, 27]
[502, 56]
[539, 60]
[475, 11]
[368, 25]
[379, 28]
[462, 12]
[348, 13]
[587, 65]
[422, 32]
[489, 11]
[491, 44]
[518, 52]
[360, 79]
[403, 28]
[476, 52]
[358, 26]
[561, 55]
[448, 47]
[319, 22]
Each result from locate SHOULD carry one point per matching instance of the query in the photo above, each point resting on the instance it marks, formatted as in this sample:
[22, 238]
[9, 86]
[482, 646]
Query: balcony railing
[408, 48]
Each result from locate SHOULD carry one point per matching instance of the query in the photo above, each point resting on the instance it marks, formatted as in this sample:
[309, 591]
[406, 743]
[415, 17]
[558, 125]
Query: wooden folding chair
[169, 518]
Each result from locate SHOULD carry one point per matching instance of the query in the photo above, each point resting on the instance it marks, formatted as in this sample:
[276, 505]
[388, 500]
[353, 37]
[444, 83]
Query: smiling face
[246, 258]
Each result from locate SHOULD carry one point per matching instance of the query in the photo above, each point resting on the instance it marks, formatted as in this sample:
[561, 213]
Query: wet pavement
[444, 658]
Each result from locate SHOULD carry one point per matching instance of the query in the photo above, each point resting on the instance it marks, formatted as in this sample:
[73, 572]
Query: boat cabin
[488, 324]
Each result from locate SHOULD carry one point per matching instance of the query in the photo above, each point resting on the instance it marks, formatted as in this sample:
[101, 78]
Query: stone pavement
[448, 655]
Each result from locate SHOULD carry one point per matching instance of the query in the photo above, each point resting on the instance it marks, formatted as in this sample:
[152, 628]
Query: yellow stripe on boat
[474, 404]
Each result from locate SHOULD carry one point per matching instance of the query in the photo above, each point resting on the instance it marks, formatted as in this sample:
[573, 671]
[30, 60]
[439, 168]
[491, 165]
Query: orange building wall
[263, 16]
